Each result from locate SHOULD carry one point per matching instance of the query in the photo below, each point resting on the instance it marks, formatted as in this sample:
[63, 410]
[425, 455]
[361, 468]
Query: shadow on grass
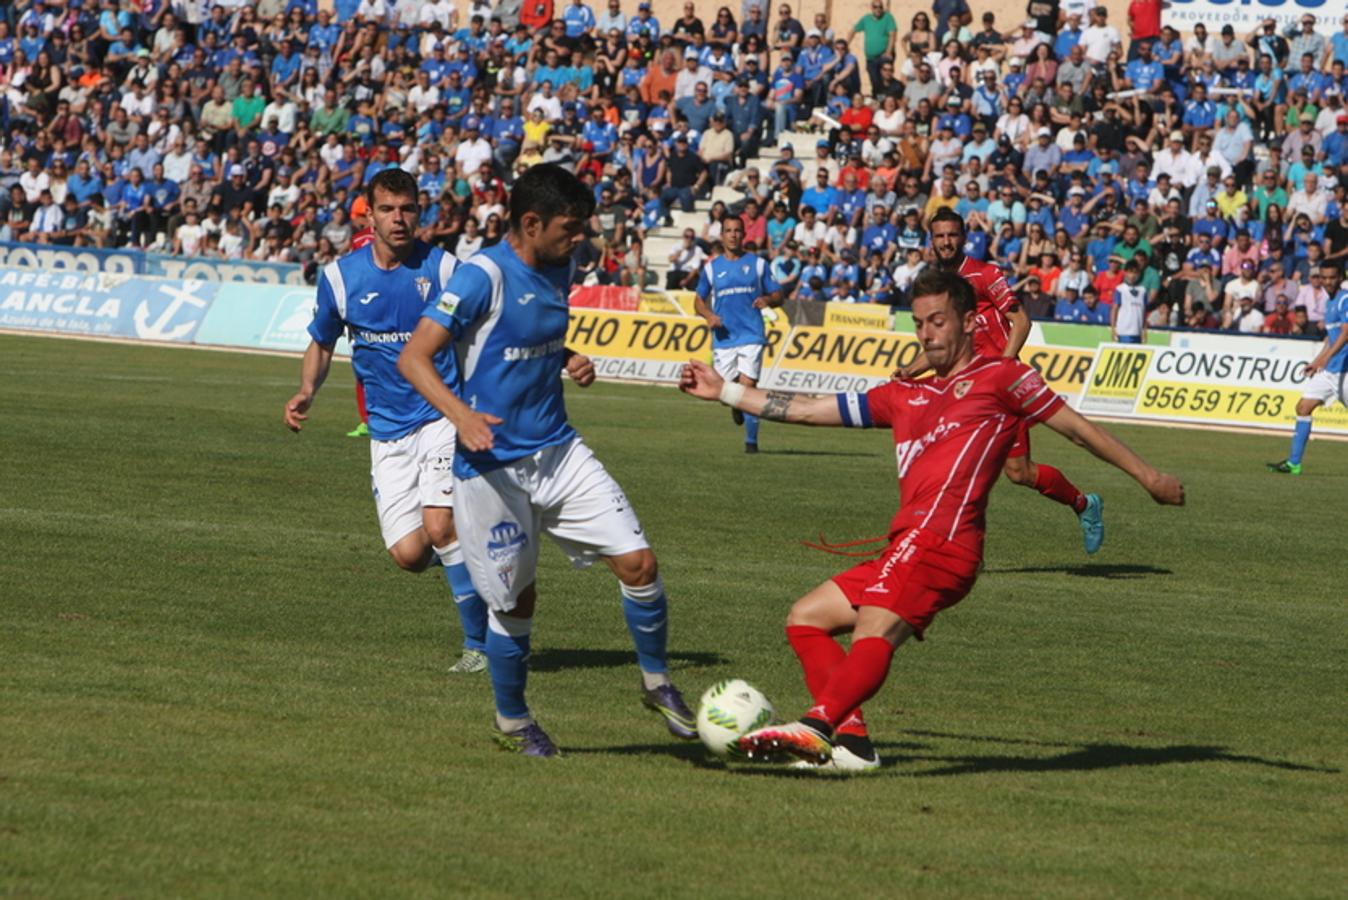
[900, 758]
[555, 660]
[1117, 571]
[789, 452]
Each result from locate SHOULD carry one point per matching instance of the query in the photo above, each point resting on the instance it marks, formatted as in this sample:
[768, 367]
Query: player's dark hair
[934, 280]
[549, 191]
[392, 181]
[946, 214]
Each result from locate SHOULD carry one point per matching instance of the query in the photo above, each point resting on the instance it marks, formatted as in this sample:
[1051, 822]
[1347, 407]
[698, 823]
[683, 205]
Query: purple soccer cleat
[531, 740]
[668, 702]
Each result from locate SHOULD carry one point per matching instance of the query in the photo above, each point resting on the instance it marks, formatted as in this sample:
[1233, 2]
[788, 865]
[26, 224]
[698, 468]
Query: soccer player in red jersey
[952, 433]
[1003, 326]
[364, 234]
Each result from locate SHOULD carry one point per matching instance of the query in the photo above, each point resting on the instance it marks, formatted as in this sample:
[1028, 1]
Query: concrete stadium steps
[660, 242]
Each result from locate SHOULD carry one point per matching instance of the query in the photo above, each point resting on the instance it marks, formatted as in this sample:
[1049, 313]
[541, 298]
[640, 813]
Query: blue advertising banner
[103, 305]
[262, 317]
[14, 255]
[135, 262]
[189, 268]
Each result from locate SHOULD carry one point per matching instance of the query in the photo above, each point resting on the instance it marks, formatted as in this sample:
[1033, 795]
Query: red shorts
[1021, 446]
[917, 576]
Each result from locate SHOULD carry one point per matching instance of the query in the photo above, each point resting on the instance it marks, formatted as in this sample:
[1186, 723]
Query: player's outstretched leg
[819, 656]
[812, 738]
[508, 663]
[646, 610]
[1300, 437]
[472, 611]
[1052, 483]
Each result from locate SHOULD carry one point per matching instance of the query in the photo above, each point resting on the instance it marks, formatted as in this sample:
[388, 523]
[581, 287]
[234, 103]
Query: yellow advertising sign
[646, 347]
[857, 317]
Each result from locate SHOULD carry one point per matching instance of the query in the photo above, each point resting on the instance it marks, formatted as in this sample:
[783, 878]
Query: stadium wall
[48, 258]
[1178, 378]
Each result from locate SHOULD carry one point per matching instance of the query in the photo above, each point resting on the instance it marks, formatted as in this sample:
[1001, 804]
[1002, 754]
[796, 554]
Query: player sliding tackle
[1002, 328]
[952, 434]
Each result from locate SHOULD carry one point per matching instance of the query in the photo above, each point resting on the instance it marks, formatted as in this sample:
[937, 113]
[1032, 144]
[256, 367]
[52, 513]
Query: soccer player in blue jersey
[521, 470]
[732, 291]
[1327, 373]
[376, 295]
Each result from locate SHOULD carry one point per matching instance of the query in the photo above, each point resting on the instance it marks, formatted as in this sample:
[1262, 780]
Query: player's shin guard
[1300, 437]
[1053, 484]
[472, 611]
[750, 429]
[647, 613]
[853, 682]
[508, 662]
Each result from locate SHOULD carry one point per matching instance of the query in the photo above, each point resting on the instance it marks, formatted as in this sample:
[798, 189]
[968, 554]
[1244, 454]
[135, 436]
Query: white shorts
[563, 491]
[414, 471]
[746, 360]
[1327, 387]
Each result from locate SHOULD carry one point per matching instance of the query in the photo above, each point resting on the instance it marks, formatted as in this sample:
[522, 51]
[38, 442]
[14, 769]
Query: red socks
[819, 655]
[1054, 484]
[360, 402]
[854, 681]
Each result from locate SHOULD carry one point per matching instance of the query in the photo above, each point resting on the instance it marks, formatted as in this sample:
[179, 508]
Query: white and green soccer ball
[729, 710]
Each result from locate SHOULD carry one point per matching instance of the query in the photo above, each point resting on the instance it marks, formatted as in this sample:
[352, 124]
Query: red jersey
[1145, 16]
[993, 301]
[362, 237]
[951, 439]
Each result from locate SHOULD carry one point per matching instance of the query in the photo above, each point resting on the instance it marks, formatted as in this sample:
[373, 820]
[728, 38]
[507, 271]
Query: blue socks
[472, 611]
[647, 614]
[508, 663]
[1299, 439]
[750, 429]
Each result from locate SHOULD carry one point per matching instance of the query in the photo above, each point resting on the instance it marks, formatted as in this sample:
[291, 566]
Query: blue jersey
[1336, 319]
[509, 322]
[730, 287]
[379, 309]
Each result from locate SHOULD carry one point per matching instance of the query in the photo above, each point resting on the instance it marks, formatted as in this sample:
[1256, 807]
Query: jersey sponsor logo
[448, 303]
[903, 553]
[907, 452]
[919, 400]
[537, 351]
[962, 387]
[368, 298]
[383, 337]
[1027, 386]
[526, 299]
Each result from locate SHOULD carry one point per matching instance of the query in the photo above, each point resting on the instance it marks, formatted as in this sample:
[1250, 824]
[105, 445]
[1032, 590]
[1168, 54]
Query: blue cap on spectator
[822, 143]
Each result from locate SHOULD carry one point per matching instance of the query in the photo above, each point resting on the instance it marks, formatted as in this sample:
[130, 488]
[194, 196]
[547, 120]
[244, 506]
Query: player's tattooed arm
[777, 406]
[701, 381]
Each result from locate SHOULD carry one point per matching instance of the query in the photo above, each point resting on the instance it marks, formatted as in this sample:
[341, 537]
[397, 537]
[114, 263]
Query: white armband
[732, 392]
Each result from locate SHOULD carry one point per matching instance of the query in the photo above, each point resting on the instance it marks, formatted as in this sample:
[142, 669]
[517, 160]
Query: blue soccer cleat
[668, 702]
[1092, 520]
[531, 740]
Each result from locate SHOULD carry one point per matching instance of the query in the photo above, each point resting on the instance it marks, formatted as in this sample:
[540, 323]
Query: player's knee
[1018, 471]
[440, 531]
[411, 555]
[637, 569]
[1306, 407]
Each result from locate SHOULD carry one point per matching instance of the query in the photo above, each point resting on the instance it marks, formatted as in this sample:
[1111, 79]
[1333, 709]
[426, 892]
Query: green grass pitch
[213, 682]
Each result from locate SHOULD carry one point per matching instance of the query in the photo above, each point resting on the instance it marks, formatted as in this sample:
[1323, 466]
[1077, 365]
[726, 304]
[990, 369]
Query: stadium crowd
[1210, 169]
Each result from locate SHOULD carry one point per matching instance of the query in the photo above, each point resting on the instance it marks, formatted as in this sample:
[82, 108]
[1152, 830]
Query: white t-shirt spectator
[1248, 321]
[138, 106]
[432, 11]
[1313, 205]
[34, 185]
[1130, 304]
[551, 106]
[472, 154]
[1097, 40]
[423, 99]
[1238, 289]
[809, 236]
[190, 236]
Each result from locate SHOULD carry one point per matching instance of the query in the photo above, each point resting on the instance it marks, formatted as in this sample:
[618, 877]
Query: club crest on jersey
[424, 288]
[744, 269]
[962, 387]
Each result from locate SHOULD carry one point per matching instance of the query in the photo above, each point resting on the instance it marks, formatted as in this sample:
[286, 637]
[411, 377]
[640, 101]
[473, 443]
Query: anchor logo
[160, 329]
